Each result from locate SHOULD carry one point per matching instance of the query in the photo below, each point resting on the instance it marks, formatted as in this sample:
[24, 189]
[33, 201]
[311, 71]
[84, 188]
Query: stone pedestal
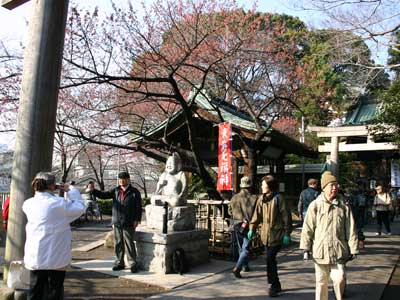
[154, 249]
[180, 218]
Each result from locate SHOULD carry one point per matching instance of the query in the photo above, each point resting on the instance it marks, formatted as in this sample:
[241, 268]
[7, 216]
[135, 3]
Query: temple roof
[211, 110]
[364, 111]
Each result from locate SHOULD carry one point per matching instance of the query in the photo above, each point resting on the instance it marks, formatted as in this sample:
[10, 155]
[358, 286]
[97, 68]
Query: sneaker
[378, 233]
[389, 233]
[246, 269]
[236, 272]
[118, 267]
[134, 269]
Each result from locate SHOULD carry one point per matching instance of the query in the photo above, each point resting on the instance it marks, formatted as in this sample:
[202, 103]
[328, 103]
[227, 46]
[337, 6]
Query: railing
[213, 215]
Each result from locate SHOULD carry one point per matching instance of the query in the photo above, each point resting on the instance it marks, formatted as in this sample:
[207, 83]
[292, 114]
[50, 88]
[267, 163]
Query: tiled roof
[364, 112]
[228, 112]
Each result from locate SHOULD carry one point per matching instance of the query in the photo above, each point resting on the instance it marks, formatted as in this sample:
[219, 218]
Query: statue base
[180, 218]
[154, 249]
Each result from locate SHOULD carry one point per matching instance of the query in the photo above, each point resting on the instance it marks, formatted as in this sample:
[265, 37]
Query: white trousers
[322, 274]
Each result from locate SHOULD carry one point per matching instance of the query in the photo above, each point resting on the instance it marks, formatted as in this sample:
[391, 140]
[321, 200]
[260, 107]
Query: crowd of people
[332, 226]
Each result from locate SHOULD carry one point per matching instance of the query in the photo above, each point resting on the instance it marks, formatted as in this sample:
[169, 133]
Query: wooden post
[235, 170]
[37, 113]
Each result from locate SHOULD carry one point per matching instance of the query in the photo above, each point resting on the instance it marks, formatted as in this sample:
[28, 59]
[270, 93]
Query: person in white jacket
[48, 237]
[73, 192]
[382, 205]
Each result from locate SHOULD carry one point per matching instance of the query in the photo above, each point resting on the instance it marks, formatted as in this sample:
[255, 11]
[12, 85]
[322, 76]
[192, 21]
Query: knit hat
[326, 178]
[245, 182]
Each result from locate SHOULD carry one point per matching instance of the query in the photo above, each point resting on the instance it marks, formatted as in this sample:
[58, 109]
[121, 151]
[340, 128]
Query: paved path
[367, 275]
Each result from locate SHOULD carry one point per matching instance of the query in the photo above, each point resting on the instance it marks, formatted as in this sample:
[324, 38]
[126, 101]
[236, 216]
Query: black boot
[274, 290]
[236, 272]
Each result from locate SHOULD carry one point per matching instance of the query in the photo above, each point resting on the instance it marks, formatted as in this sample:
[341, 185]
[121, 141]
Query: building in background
[6, 161]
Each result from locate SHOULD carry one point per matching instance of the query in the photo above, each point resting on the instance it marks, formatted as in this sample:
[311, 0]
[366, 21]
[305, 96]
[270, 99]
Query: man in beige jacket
[329, 233]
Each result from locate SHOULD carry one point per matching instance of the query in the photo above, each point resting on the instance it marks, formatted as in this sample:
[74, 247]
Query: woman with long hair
[382, 204]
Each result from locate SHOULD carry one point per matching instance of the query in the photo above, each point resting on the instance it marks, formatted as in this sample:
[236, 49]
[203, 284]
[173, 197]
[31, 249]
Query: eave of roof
[211, 109]
[365, 111]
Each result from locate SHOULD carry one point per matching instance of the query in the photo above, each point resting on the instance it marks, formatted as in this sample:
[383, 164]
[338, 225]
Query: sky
[13, 23]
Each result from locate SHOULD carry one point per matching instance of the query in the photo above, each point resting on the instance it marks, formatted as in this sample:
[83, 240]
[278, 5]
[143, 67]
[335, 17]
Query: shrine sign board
[224, 180]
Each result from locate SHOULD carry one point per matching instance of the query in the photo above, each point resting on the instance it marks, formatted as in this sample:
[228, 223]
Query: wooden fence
[213, 215]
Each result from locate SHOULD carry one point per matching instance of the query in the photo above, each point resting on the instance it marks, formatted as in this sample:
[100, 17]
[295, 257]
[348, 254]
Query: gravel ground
[82, 284]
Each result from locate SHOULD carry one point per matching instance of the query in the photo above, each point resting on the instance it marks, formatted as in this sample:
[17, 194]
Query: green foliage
[394, 53]
[105, 206]
[347, 173]
[145, 201]
[387, 124]
[323, 87]
[295, 159]
[336, 70]
[196, 187]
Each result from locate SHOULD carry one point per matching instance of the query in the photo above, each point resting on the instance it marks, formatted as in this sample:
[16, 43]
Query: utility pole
[37, 111]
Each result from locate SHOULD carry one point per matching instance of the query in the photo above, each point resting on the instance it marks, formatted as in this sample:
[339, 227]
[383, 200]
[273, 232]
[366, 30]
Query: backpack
[179, 262]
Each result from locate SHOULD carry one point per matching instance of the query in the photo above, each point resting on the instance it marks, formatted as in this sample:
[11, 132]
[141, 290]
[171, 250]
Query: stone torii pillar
[334, 147]
[37, 111]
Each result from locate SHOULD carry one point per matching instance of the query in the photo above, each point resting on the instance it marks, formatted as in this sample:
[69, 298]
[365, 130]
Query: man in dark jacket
[126, 216]
[241, 208]
[306, 197]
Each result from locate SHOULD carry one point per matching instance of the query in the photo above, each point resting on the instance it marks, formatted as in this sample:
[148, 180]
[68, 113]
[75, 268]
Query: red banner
[224, 180]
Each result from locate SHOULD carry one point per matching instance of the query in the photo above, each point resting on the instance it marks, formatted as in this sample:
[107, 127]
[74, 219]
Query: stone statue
[172, 184]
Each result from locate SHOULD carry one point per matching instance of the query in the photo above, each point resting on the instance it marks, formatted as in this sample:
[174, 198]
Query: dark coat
[306, 197]
[124, 210]
[242, 206]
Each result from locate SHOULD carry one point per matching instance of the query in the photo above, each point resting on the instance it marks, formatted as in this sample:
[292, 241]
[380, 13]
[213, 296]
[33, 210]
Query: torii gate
[37, 111]
[334, 147]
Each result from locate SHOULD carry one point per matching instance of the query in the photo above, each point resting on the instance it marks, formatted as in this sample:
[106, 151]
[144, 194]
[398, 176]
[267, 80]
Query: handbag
[243, 227]
[18, 276]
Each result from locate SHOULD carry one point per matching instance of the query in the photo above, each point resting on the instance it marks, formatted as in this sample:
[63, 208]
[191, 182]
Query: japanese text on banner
[395, 173]
[224, 181]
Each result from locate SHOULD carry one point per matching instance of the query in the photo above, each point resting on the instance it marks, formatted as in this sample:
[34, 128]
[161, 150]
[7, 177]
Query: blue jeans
[243, 245]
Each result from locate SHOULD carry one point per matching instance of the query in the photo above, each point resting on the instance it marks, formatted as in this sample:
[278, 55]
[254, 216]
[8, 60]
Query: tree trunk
[204, 175]
[252, 157]
[144, 188]
[64, 167]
